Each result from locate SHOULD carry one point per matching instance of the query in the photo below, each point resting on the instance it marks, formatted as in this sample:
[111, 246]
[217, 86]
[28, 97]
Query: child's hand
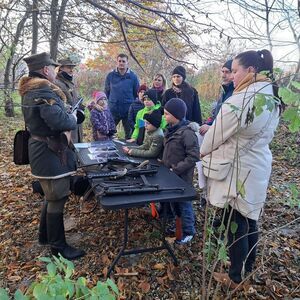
[130, 141]
[125, 149]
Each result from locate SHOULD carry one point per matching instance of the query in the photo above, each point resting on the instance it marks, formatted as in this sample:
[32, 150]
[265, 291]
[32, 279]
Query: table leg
[165, 243]
[125, 240]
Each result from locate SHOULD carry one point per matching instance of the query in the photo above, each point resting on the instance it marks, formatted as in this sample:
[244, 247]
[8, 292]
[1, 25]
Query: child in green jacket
[153, 142]
[151, 104]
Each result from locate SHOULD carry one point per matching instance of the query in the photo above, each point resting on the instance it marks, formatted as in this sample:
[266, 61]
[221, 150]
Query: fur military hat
[38, 61]
[66, 62]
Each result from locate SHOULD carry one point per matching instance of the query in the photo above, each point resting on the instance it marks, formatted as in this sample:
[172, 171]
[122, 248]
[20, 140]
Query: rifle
[125, 172]
[80, 100]
[136, 189]
[80, 113]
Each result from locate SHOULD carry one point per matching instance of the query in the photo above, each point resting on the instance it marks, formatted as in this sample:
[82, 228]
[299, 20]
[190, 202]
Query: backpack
[20, 156]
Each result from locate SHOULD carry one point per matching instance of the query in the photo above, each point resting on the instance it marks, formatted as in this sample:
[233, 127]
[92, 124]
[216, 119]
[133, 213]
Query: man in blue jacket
[121, 86]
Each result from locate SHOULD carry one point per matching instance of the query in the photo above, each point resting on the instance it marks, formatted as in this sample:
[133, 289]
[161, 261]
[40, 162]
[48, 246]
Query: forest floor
[100, 234]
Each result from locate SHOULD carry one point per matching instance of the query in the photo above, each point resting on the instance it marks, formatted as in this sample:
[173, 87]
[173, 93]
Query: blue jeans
[184, 210]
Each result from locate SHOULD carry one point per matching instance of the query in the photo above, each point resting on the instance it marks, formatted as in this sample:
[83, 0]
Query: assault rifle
[135, 189]
[124, 172]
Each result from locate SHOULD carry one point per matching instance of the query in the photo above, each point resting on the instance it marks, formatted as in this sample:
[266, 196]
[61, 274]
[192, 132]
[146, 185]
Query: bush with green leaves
[58, 284]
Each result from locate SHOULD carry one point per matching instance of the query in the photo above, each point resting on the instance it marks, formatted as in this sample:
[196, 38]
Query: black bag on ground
[21, 147]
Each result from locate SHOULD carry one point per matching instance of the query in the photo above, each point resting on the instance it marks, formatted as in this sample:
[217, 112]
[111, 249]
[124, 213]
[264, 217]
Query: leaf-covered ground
[147, 276]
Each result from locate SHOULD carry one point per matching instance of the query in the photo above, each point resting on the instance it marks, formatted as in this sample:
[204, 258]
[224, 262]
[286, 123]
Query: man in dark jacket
[64, 80]
[51, 160]
[121, 86]
[226, 92]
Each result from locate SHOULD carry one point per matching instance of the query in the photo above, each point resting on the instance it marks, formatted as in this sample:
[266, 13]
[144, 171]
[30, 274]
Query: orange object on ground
[178, 228]
[154, 211]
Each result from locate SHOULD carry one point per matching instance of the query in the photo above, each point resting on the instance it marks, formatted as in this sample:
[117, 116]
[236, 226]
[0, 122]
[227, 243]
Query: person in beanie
[181, 152]
[153, 142]
[101, 118]
[181, 89]
[136, 106]
[226, 92]
[64, 80]
[150, 104]
[51, 160]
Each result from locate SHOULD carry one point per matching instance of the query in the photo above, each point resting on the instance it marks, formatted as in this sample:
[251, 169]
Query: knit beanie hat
[154, 118]
[100, 95]
[180, 70]
[142, 87]
[176, 107]
[152, 95]
[228, 65]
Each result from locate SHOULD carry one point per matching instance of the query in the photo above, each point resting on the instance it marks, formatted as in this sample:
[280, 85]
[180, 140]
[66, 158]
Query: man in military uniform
[51, 160]
[64, 79]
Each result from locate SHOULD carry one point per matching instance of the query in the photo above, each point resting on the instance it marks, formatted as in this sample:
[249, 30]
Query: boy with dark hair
[180, 154]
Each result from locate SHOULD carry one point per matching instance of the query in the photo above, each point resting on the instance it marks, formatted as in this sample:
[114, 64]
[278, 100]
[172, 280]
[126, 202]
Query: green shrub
[58, 284]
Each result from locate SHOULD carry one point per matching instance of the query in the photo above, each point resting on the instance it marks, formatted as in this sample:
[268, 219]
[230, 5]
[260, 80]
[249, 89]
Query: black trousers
[125, 123]
[242, 244]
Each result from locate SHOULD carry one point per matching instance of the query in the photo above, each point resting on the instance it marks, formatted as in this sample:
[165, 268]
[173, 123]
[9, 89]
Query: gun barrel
[77, 104]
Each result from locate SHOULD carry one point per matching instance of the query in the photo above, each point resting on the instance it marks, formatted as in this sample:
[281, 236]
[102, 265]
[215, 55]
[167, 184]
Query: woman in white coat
[237, 145]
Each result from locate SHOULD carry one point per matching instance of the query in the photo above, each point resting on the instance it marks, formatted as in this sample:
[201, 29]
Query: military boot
[57, 239]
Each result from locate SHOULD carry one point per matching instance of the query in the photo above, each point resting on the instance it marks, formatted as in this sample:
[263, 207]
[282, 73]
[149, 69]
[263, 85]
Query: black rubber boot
[43, 240]
[57, 240]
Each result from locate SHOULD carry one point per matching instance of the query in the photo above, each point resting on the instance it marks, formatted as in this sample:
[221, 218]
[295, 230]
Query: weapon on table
[124, 160]
[125, 172]
[136, 189]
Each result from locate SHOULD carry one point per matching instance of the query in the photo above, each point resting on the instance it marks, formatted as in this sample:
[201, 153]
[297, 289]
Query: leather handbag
[20, 155]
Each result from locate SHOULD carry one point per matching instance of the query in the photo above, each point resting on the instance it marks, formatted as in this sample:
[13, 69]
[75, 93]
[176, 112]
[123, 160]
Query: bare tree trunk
[57, 16]
[34, 27]
[9, 106]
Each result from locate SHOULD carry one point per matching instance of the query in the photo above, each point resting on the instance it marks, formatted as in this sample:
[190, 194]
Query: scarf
[66, 75]
[249, 79]
[159, 89]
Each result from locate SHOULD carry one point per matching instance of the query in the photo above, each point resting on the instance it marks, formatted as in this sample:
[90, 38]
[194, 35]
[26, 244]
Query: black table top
[164, 177]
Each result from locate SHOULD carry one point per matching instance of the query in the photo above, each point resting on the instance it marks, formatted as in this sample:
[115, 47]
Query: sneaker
[185, 239]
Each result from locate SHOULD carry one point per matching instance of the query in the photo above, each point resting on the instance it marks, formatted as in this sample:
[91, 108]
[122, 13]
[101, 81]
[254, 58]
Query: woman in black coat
[181, 89]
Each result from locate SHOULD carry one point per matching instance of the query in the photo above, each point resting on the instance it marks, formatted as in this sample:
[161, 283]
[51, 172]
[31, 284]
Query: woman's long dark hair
[261, 60]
